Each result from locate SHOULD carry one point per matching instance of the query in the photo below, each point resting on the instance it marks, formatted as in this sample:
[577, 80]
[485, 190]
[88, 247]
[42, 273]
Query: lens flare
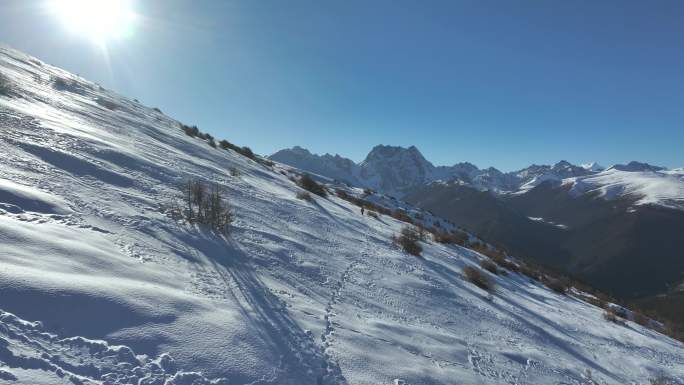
[99, 20]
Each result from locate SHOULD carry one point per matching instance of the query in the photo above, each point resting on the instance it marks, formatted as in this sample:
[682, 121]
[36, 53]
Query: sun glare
[99, 20]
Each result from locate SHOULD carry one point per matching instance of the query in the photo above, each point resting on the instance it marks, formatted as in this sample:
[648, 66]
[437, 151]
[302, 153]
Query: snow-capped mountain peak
[592, 166]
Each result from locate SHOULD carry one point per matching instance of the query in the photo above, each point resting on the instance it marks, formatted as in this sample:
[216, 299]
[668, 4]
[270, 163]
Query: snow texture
[298, 293]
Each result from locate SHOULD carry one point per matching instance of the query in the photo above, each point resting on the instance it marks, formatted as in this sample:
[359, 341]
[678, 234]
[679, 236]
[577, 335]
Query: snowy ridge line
[397, 171]
[28, 352]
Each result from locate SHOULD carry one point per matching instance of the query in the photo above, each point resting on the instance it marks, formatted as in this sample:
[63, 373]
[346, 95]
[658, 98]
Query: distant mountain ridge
[397, 171]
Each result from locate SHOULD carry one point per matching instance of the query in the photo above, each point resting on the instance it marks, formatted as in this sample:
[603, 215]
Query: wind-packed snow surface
[98, 285]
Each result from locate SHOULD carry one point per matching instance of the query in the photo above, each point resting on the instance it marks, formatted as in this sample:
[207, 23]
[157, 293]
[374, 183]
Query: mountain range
[617, 228]
[397, 171]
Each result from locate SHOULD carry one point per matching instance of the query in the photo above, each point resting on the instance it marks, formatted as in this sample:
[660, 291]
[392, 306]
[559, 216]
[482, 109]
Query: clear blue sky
[497, 83]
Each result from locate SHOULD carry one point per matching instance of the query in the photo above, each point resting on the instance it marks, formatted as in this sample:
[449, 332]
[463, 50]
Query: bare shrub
[304, 195]
[598, 302]
[454, 237]
[106, 103]
[661, 379]
[640, 318]
[530, 272]
[401, 215]
[489, 266]
[190, 131]
[614, 314]
[246, 151]
[559, 285]
[205, 204]
[409, 240]
[5, 85]
[372, 214]
[234, 172]
[478, 278]
[307, 183]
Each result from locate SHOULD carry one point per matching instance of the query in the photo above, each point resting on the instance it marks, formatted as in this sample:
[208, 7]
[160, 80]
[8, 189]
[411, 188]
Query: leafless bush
[5, 85]
[640, 318]
[307, 183]
[454, 237]
[661, 379]
[615, 315]
[409, 240]
[489, 266]
[205, 204]
[478, 278]
[559, 285]
[106, 103]
[304, 195]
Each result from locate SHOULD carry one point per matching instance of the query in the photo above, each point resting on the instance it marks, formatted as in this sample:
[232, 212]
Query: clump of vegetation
[530, 272]
[594, 300]
[191, 131]
[212, 142]
[106, 103]
[401, 215]
[559, 285]
[307, 183]
[234, 172]
[244, 151]
[455, 237]
[640, 318]
[156, 109]
[661, 379]
[205, 204]
[368, 205]
[489, 266]
[304, 195]
[372, 214]
[5, 85]
[506, 264]
[478, 278]
[615, 314]
[409, 240]
[69, 85]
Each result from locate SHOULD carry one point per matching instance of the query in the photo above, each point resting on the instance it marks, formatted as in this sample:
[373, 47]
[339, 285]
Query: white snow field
[98, 285]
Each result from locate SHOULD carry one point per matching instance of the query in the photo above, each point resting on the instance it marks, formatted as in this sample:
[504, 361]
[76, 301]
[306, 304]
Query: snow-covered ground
[298, 293]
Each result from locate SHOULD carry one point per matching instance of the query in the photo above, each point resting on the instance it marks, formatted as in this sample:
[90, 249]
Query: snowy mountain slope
[398, 171]
[655, 187]
[298, 293]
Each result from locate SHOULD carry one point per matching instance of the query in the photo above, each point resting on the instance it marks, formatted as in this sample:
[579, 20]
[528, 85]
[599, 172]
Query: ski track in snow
[299, 292]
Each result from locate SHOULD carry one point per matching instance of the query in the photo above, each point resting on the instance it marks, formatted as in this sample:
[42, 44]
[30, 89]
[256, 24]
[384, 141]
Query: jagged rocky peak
[384, 152]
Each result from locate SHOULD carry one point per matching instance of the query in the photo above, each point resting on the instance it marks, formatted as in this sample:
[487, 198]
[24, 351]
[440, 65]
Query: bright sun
[99, 20]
